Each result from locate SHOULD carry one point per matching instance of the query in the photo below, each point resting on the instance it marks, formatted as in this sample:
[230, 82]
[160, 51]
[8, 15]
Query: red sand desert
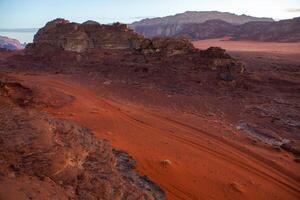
[184, 125]
[190, 155]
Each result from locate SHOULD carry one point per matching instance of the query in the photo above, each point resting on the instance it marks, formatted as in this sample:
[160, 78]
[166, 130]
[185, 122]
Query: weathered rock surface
[46, 158]
[60, 34]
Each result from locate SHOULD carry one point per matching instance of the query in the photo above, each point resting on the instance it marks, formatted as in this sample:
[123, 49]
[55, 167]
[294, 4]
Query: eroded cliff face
[62, 34]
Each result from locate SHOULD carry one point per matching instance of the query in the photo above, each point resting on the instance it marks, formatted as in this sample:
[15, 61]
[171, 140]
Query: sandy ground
[250, 46]
[191, 156]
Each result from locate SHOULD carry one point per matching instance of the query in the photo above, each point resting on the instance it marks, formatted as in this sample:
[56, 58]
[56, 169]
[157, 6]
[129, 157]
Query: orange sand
[251, 46]
[207, 158]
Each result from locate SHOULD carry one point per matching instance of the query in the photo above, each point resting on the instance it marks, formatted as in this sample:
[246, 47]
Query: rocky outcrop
[46, 158]
[10, 44]
[74, 44]
[60, 34]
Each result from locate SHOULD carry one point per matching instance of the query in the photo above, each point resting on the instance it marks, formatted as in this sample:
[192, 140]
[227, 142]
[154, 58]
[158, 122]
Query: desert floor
[185, 143]
[190, 155]
[250, 46]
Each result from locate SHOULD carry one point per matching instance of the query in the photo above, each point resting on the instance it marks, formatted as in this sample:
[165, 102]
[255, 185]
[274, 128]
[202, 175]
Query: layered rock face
[61, 34]
[64, 35]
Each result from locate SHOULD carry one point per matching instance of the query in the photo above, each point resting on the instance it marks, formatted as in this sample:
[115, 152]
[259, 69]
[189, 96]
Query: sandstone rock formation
[60, 34]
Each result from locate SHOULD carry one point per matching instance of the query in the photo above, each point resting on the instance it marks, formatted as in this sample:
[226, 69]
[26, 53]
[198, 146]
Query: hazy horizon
[34, 14]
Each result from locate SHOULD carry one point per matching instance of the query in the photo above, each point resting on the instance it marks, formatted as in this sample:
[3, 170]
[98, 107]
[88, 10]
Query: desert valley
[180, 107]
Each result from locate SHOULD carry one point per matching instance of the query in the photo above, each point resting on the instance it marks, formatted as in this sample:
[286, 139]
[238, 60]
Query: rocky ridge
[216, 27]
[199, 17]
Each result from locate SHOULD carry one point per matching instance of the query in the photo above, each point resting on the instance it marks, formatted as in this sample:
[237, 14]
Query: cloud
[295, 10]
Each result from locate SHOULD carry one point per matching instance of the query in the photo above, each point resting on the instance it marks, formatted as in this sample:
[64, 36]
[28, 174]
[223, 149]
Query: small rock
[12, 175]
[166, 163]
[297, 160]
[236, 187]
[107, 82]
[277, 148]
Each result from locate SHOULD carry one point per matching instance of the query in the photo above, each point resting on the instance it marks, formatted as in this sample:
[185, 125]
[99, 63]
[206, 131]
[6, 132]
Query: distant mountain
[210, 29]
[171, 25]
[10, 44]
[262, 30]
[281, 31]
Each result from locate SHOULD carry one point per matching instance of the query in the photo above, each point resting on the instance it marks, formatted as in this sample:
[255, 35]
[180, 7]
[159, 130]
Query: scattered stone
[107, 82]
[166, 163]
[236, 187]
[277, 148]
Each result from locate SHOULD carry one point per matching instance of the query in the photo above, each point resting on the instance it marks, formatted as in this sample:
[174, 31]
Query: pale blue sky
[35, 13]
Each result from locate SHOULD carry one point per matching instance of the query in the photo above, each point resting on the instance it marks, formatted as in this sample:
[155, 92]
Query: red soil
[250, 46]
[190, 155]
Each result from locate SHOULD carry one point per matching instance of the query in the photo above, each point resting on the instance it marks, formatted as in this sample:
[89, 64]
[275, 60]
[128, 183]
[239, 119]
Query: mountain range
[213, 24]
